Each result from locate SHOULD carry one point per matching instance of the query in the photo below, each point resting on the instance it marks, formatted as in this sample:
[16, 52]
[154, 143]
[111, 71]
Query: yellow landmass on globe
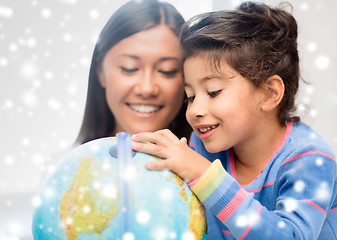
[182, 192]
[83, 208]
[197, 222]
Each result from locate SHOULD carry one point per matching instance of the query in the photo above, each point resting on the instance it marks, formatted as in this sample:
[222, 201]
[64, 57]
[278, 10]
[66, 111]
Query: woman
[135, 81]
[135, 85]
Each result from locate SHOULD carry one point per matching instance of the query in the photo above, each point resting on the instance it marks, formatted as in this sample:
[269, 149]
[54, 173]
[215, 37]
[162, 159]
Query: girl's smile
[206, 131]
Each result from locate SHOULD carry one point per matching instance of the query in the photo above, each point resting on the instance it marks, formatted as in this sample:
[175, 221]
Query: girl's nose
[196, 109]
[147, 86]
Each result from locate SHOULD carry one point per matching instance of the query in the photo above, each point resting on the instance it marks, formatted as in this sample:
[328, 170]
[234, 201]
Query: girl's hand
[176, 154]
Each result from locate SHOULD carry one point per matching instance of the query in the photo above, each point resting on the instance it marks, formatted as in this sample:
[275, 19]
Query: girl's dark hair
[256, 40]
[129, 19]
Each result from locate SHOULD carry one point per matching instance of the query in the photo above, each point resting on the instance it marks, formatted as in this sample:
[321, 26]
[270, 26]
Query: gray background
[45, 52]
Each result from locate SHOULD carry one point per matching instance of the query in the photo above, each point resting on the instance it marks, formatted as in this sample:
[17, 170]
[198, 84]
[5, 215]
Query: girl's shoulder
[304, 138]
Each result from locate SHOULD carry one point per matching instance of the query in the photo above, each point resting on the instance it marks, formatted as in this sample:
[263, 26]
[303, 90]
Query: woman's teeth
[207, 129]
[144, 108]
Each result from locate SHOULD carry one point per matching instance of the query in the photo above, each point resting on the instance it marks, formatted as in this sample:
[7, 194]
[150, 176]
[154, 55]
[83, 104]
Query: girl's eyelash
[211, 94]
[214, 93]
[189, 99]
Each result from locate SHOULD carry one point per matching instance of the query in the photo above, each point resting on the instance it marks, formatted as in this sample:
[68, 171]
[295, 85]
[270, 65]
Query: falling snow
[299, 186]
[46, 49]
[143, 217]
[290, 205]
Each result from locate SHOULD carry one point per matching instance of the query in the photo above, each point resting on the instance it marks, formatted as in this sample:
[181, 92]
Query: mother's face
[142, 77]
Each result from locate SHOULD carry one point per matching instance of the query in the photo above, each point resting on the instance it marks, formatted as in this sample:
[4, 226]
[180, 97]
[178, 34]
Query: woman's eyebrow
[130, 56]
[169, 59]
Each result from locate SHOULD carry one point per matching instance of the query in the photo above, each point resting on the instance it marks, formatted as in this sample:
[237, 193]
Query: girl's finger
[159, 165]
[183, 140]
[167, 135]
[161, 137]
[144, 137]
[148, 148]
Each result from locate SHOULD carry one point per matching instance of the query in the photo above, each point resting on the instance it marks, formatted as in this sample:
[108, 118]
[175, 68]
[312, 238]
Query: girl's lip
[206, 131]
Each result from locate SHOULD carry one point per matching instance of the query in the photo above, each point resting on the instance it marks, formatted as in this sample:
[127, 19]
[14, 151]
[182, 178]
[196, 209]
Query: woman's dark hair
[256, 40]
[129, 19]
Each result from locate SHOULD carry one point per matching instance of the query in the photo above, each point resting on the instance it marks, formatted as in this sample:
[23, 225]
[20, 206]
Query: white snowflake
[299, 186]
[46, 13]
[322, 62]
[188, 236]
[159, 233]
[94, 14]
[312, 46]
[128, 236]
[36, 201]
[29, 98]
[6, 12]
[3, 62]
[319, 161]
[166, 195]
[86, 209]
[143, 217]
[69, 221]
[322, 192]
[290, 205]
[109, 191]
[281, 224]
[29, 70]
[9, 160]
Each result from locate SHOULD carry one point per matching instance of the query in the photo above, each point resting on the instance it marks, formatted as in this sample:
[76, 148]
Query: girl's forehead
[205, 68]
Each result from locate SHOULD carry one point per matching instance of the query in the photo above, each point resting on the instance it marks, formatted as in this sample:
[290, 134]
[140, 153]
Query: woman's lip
[144, 108]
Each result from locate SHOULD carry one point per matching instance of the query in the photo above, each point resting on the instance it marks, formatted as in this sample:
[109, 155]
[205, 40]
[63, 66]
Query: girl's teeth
[207, 129]
[144, 108]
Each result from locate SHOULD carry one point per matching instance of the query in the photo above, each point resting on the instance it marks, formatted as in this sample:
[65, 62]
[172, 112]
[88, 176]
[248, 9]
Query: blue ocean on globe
[102, 190]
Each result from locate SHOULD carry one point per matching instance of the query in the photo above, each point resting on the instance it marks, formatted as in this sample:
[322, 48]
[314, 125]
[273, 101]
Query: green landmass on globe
[88, 197]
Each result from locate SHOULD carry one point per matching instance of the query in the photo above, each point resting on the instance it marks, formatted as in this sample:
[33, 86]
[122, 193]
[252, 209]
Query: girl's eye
[128, 70]
[169, 73]
[189, 99]
[214, 93]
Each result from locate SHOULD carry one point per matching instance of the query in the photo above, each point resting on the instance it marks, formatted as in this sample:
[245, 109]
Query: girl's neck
[251, 158]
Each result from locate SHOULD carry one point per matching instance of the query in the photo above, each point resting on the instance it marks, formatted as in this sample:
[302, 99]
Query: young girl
[260, 172]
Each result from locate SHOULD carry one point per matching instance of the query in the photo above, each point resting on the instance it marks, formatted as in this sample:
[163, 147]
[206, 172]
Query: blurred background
[45, 53]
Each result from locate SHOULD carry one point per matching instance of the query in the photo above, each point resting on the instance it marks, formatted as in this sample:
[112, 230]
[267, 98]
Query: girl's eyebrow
[204, 79]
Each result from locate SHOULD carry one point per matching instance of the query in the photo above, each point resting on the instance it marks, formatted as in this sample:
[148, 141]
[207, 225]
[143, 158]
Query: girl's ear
[274, 91]
[101, 77]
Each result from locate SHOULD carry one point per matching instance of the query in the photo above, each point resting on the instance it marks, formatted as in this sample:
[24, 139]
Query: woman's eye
[128, 70]
[214, 93]
[169, 73]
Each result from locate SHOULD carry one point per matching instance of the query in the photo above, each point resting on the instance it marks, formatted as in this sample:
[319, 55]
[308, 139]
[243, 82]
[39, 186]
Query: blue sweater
[294, 196]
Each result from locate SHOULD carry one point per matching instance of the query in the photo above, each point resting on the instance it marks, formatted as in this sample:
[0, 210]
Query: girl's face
[223, 110]
[142, 76]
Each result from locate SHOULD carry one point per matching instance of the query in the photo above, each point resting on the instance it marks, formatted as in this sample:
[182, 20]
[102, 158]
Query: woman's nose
[147, 85]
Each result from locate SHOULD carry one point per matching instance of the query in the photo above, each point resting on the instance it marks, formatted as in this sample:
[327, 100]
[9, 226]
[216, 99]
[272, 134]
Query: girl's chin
[212, 149]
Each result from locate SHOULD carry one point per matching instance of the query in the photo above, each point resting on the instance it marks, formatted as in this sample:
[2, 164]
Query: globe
[102, 190]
